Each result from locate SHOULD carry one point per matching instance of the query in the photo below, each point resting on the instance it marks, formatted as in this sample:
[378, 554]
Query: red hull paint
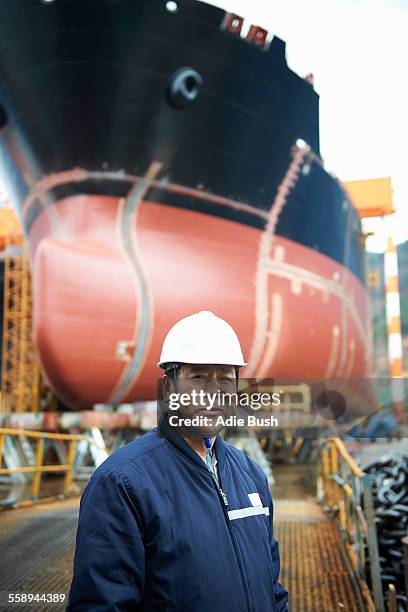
[297, 312]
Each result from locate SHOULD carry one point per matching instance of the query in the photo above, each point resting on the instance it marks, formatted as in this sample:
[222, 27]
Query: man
[178, 519]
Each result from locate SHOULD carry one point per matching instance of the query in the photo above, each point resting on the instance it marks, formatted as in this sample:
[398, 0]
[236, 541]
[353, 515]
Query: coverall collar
[173, 436]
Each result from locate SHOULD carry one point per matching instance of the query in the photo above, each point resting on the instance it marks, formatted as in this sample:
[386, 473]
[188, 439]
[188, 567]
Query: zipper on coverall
[224, 504]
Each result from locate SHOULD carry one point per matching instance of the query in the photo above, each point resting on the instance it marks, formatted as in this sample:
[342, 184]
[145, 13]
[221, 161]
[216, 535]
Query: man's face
[208, 391]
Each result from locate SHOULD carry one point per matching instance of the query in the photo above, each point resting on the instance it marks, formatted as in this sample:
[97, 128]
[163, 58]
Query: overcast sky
[357, 51]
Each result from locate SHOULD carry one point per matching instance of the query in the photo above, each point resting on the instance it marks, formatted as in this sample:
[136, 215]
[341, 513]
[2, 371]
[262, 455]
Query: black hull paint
[84, 83]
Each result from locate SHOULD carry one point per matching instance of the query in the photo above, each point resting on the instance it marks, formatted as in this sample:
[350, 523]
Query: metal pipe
[70, 470]
[355, 469]
[39, 456]
[7, 431]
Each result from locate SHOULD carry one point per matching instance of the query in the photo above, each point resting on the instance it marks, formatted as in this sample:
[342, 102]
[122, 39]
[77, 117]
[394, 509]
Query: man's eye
[226, 380]
[200, 377]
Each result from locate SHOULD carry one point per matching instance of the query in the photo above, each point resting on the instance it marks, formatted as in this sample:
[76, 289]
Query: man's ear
[166, 387]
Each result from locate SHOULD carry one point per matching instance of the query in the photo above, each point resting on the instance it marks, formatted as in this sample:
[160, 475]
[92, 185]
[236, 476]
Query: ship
[164, 159]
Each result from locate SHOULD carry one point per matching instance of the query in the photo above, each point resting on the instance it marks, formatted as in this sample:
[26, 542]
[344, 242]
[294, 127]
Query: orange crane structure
[374, 198]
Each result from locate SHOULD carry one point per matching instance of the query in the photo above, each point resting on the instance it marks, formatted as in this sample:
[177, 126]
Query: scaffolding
[20, 379]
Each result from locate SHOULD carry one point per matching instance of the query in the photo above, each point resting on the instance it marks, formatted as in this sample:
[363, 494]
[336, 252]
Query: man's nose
[213, 383]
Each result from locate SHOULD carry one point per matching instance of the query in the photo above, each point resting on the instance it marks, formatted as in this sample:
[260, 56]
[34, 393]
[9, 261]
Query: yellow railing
[39, 468]
[343, 488]
[336, 461]
[341, 485]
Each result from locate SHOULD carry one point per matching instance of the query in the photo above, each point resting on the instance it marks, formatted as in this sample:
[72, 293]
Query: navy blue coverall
[156, 533]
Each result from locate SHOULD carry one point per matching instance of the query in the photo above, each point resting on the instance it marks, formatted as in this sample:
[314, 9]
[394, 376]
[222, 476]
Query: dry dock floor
[312, 566]
[37, 547]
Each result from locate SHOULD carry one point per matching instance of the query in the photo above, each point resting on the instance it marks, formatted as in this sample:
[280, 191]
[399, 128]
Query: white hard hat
[202, 338]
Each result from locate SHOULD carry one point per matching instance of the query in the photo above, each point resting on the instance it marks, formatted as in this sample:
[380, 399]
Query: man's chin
[200, 433]
[209, 426]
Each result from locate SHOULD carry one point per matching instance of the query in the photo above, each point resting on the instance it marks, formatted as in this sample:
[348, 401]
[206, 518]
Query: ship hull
[103, 305]
[140, 209]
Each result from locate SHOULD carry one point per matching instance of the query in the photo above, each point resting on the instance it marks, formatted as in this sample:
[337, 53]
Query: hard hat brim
[160, 364]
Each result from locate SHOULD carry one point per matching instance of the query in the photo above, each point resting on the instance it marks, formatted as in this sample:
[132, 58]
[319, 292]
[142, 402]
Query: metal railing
[38, 467]
[342, 486]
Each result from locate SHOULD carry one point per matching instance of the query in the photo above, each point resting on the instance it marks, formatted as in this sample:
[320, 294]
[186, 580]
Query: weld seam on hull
[133, 368]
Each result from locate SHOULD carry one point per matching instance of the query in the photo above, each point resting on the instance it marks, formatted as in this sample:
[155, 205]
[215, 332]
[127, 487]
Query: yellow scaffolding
[20, 381]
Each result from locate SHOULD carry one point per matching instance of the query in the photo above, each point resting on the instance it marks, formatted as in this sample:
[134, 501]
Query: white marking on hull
[262, 273]
[272, 336]
[333, 352]
[144, 313]
[351, 359]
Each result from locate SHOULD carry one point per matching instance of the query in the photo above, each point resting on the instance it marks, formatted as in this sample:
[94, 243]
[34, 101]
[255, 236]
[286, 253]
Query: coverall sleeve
[109, 563]
[281, 594]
